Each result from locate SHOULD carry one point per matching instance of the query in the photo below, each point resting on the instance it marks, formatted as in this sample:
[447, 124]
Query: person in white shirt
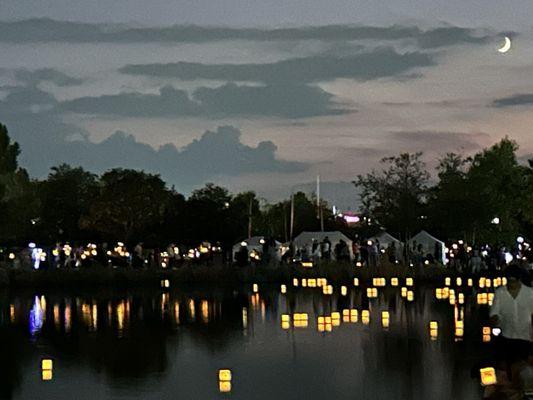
[512, 311]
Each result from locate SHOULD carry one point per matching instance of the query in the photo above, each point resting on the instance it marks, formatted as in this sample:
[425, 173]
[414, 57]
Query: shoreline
[217, 275]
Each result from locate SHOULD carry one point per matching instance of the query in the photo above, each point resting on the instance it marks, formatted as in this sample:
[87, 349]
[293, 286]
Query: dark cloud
[34, 77]
[439, 141]
[374, 64]
[48, 30]
[515, 100]
[229, 100]
[46, 140]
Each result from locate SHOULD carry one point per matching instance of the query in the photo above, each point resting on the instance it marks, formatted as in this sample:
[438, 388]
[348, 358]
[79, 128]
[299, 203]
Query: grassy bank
[217, 275]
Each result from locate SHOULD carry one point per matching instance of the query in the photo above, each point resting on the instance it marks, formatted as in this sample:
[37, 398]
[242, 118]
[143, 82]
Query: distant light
[31, 245]
[495, 221]
[508, 257]
[520, 239]
[244, 244]
[11, 256]
[351, 219]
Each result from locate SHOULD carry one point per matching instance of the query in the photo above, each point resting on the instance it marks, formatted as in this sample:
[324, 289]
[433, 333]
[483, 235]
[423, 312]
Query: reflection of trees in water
[123, 335]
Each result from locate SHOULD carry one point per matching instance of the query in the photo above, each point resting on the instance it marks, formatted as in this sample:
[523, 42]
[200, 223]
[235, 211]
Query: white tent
[386, 240]
[253, 243]
[429, 245]
[306, 239]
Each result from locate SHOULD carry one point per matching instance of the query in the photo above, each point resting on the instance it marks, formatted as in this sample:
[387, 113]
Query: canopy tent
[430, 245]
[386, 240]
[252, 244]
[306, 239]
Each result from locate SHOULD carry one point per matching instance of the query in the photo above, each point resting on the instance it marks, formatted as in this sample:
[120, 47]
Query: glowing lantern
[488, 283]
[408, 281]
[504, 281]
[224, 375]
[490, 298]
[461, 298]
[328, 289]
[285, 321]
[307, 264]
[438, 293]
[488, 376]
[459, 281]
[335, 318]
[11, 256]
[372, 293]
[410, 295]
[353, 315]
[300, 320]
[304, 282]
[311, 282]
[346, 315]
[344, 290]
[482, 282]
[283, 289]
[404, 291]
[470, 282]
[394, 281]
[365, 317]
[358, 264]
[385, 320]
[295, 282]
[47, 367]
[165, 283]
[356, 281]
[486, 334]
[255, 288]
[459, 329]
[433, 330]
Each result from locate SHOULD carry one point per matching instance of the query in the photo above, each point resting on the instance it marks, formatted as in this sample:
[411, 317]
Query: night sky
[261, 95]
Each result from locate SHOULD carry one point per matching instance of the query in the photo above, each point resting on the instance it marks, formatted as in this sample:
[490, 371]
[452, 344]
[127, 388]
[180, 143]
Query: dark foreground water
[170, 345]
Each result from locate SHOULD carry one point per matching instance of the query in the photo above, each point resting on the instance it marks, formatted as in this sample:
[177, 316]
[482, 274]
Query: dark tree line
[75, 205]
[484, 198]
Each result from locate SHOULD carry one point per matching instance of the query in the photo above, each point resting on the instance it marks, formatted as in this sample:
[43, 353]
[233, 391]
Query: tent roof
[385, 237]
[423, 235]
[334, 236]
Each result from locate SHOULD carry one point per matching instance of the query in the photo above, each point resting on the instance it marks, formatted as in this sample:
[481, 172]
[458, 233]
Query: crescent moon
[506, 46]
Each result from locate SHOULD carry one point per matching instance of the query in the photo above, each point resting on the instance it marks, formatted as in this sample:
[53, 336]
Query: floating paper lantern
[461, 298]
[356, 281]
[372, 293]
[224, 387]
[255, 287]
[344, 290]
[394, 281]
[365, 317]
[311, 283]
[459, 281]
[488, 376]
[470, 282]
[409, 281]
[295, 282]
[482, 282]
[438, 293]
[385, 319]
[404, 291]
[410, 295]
[47, 367]
[283, 289]
[224, 375]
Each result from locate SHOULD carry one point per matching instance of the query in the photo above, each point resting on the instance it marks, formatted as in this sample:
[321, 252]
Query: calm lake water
[170, 344]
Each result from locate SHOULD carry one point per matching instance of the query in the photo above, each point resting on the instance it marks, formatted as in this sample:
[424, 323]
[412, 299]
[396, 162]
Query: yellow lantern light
[409, 281]
[470, 282]
[433, 325]
[394, 281]
[224, 387]
[283, 289]
[295, 282]
[438, 293]
[459, 281]
[445, 293]
[353, 315]
[165, 283]
[304, 282]
[285, 318]
[372, 293]
[11, 256]
[461, 298]
[482, 282]
[307, 264]
[359, 264]
[47, 364]
[344, 290]
[488, 376]
[504, 281]
[404, 291]
[356, 281]
[335, 318]
[255, 287]
[346, 315]
[488, 283]
[490, 298]
[224, 375]
[410, 295]
[385, 319]
[365, 317]
[433, 330]
[311, 282]
[447, 281]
